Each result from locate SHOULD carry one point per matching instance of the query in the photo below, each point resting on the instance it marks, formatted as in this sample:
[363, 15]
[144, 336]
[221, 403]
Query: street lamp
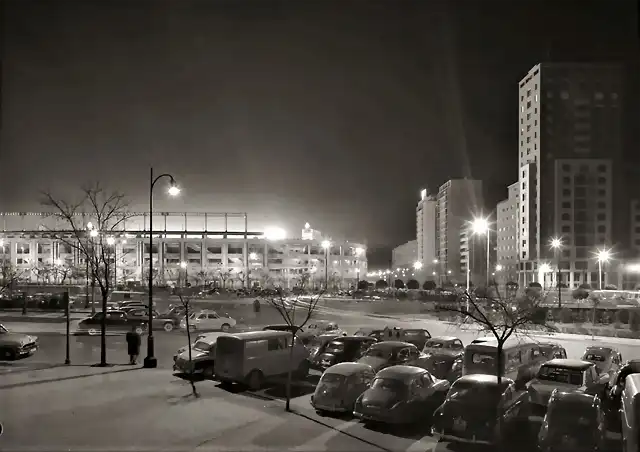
[150, 361]
[326, 244]
[480, 226]
[602, 255]
[499, 268]
[556, 246]
[253, 256]
[544, 269]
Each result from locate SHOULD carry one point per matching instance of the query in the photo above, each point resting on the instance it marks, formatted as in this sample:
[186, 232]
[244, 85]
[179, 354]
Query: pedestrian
[133, 345]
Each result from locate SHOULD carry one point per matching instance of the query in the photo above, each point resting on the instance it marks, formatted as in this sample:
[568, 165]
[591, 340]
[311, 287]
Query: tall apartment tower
[459, 200]
[426, 229]
[570, 149]
[507, 240]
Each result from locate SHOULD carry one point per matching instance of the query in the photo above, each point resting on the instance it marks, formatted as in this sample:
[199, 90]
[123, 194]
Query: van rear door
[479, 360]
[229, 361]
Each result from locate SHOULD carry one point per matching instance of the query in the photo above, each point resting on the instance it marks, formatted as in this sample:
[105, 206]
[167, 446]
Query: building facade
[458, 201]
[570, 156]
[426, 231]
[506, 237]
[405, 255]
[186, 247]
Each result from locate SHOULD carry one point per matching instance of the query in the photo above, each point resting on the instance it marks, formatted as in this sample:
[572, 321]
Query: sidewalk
[61, 372]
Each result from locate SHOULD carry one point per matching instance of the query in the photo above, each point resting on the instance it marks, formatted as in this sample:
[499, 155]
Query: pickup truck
[16, 345]
[117, 321]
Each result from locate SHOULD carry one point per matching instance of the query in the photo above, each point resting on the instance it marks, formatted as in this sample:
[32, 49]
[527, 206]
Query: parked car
[443, 345]
[400, 395]
[566, 375]
[16, 345]
[320, 327]
[186, 347]
[552, 350]
[203, 357]
[377, 333]
[443, 357]
[608, 360]
[340, 386]
[480, 410]
[117, 321]
[317, 344]
[166, 321]
[616, 389]
[208, 321]
[574, 421]
[342, 349]
[389, 353]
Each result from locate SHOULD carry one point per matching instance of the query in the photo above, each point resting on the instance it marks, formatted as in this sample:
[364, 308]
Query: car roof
[392, 344]
[549, 344]
[443, 338]
[212, 337]
[484, 380]
[348, 368]
[352, 338]
[400, 372]
[568, 363]
[257, 335]
[597, 348]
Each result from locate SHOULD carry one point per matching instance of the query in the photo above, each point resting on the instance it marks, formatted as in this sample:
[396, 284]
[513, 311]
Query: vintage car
[377, 333]
[317, 344]
[116, 321]
[607, 360]
[203, 357]
[342, 349]
[186, 347]
[16, 345]
[565, 375]
[400, 395]
[443, 345]
[207, 320]
[614, 394]
[390, 353]
[340, 386]
[443, 357]
[552, 350]
[479, 410]
[574, 421]
[318, 328]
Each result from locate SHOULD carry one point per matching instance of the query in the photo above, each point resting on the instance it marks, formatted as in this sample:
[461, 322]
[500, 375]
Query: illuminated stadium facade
[193, 247]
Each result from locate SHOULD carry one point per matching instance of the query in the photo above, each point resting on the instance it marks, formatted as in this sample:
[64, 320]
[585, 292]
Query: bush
[580, 294]
[610, 287]
[381, 284]
[429, 285]
[398, 284]
[412, 284]
[402, 296]
[566, 316]
[623, 316]
[363, 285]
[585, 286]
[535, 285]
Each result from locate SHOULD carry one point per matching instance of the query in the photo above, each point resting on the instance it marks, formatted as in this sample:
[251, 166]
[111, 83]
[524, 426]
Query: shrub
[580, 294]
[585, 286]
[566, 316]
[413, 284]
[363, 285]
[398, 284]
[623, 316]
[429, 285]
[610, 287]
[381, 284]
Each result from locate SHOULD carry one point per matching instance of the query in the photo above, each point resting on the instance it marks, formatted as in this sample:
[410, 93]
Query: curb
[71, 377]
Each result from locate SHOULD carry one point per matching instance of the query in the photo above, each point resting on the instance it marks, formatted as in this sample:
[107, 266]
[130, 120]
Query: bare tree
[223, 276]
[186, 303]
[10, 276]
[201, 278]
[502, 317]
[241, 277]
[91, 223]
[296, 315]
[61, 273]
[155, 276]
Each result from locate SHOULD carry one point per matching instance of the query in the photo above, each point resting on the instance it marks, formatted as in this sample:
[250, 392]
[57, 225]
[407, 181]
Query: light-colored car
[208, 321]
[320, 327]
[340, 386]
[16, 345]
[564, 375]
[203, 356]
[607, 360]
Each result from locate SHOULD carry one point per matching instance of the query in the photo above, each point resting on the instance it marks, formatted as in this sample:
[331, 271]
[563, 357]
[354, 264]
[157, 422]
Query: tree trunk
[103, 331]
[289, 377]
[499, 361]
[191, 368]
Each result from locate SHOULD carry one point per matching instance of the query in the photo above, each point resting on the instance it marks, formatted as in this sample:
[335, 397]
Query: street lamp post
[481, 226]
[326, 244]
[150, 361]
[556, 245]
[603, 255]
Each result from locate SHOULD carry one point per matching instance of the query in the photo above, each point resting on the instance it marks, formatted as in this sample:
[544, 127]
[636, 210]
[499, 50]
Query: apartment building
[458, 201]
[506, 237]
[570, 151]
[426, 229]
[405, 255]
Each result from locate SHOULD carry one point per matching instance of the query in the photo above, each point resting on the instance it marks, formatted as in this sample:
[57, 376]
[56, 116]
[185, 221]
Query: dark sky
[332, 112]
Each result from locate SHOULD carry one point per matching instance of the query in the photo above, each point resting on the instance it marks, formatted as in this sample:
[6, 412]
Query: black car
[614, 393]
[116, 321]
[341, 350]
[574, 422]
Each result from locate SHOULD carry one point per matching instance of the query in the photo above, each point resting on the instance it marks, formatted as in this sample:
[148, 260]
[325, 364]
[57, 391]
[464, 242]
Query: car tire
[255, 380]
[168, 327]
[8, 354]
[208, 372]
[92, 331]
[225, 327]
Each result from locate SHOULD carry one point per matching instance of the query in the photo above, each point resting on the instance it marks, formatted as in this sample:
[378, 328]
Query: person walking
[133, 345]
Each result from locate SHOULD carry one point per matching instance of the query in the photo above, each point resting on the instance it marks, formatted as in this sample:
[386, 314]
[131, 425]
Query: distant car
[116, 321]
[552, 350]
[208, 321]
[377, 333]
[400, 395]
[444, 357]
[607, 360]
[317, 344]
[340, 386]
[574, 421]
[283, 327]
[390, 353]
[16, 345]
[340, 350]
[443, 345]
[479, 410]
[565, 375]
[203, 357]
[320, 327]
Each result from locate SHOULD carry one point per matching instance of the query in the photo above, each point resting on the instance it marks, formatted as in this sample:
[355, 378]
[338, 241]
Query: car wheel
[208, 372]
[255, 380]
[168, 326]
[92, 332]
[225, 327]
[8, 354]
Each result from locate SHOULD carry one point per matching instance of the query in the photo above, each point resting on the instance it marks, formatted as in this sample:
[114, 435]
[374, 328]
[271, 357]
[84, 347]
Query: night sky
[332, 112]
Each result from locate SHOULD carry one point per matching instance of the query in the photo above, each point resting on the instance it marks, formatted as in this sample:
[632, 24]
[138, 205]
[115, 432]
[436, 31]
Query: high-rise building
[570, 150]
[506, 237]
[426, 229]
[458, 201]
[405, 255]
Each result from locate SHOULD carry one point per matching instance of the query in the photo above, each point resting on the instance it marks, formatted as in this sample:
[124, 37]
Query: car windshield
[335, 347]
[389, 384]
[561, 375]
[331, 380]
[468, 392]
[379, 352]
[202, 346]
[595, 357]
[434, 344]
